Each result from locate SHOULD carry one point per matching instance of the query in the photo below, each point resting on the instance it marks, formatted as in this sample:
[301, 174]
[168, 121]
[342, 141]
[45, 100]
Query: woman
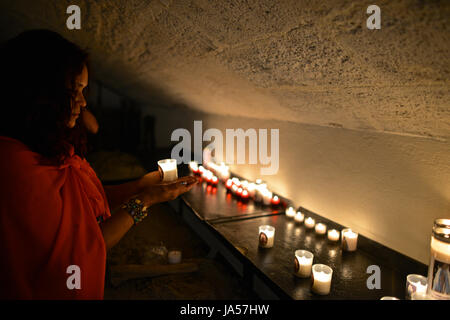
[54, 212]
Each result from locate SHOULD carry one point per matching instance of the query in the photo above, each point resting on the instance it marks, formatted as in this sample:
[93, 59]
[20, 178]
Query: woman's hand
[167, 191]
[149, 179]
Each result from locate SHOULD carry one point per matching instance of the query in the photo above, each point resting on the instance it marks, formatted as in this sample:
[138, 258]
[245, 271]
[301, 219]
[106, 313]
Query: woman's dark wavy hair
[38, 70]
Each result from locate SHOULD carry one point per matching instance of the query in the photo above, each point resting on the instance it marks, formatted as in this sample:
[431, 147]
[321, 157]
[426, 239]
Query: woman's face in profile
[78, 102]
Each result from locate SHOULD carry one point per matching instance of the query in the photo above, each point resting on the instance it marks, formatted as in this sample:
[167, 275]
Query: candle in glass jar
[168, 170]
[299, 217]
[266, 236]
[415, 283]
[349, 240]
[439, 267]
[174, 256]
[267, 197]
[290, 212]
[322, 275]
[333, 235]
[303, 263]
[275, 201]
[251, 188]
[321, 228]
[310, 223]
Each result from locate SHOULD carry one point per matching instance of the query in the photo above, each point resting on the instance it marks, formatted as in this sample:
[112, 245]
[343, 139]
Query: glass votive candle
[321, 276]
[321, 228]
[303, 263]
[389, 298]
[174, 256]
[420, 296]
[266, 236]
[290, 212]
[349, 240]
[299, 217]
[333, 235]
[310, 223]
[415, 283]
[168, 170]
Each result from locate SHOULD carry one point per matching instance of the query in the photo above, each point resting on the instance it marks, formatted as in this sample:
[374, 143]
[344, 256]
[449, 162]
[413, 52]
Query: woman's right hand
[166, 191]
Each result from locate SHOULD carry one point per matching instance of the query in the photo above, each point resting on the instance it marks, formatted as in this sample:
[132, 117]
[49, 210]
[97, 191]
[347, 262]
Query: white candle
[303, 263]
[322, 275]
[321, 228]
[266, 236]
[193, 166]
[299, 217]
[310, 223]
[267, 197]
[415, 283]
[174, 256]
[168, 170]
[333, 235]
[349, 240]
[251, 188]
[290, 212]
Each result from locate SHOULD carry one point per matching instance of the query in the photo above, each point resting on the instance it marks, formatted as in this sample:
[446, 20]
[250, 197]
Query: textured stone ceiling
[303, 61]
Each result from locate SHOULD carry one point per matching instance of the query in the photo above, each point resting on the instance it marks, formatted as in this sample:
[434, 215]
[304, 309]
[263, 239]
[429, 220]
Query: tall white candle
[310, 223]
[266, 236]
[322, 275]
[303, 263]
[321, 228]
[168, 170]
[290, 212]
[415, 283]
[349, 240]
[333, 235]
[299, 217]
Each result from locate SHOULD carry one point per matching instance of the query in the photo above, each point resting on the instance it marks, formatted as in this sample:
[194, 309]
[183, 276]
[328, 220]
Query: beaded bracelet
[136, 209]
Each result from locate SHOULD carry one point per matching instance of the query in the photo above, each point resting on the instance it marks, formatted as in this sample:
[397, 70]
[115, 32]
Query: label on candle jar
[262, 239]
[440, 280]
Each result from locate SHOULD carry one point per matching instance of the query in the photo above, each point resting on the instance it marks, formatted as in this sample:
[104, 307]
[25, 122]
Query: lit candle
[415, 283]
[349, 240]
[266, 236]
[275, 201]
[229, 184]
[333, 235]
[438, 269]
[251, 188]
[299, 217]
[174, 256]
[290, 212]
[321, 228]
[303, 263]
[168, 170]
[193, 166]
[322, 275]
[234, 188]
[239, 191]
[214, 180]
[244, 195]
[310, 223]
[389, 298]
[267, 197]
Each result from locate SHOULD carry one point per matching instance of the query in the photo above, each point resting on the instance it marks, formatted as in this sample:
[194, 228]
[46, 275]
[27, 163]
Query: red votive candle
[229, 184]
[239, 192]
[275, 201]
[244, 195]
[214, 180]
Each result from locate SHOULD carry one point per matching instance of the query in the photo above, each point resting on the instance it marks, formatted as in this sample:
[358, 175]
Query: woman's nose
[81, 101]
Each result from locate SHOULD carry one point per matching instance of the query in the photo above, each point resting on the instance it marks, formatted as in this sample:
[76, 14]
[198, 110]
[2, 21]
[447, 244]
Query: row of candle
[257, 191]
[349, 238]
